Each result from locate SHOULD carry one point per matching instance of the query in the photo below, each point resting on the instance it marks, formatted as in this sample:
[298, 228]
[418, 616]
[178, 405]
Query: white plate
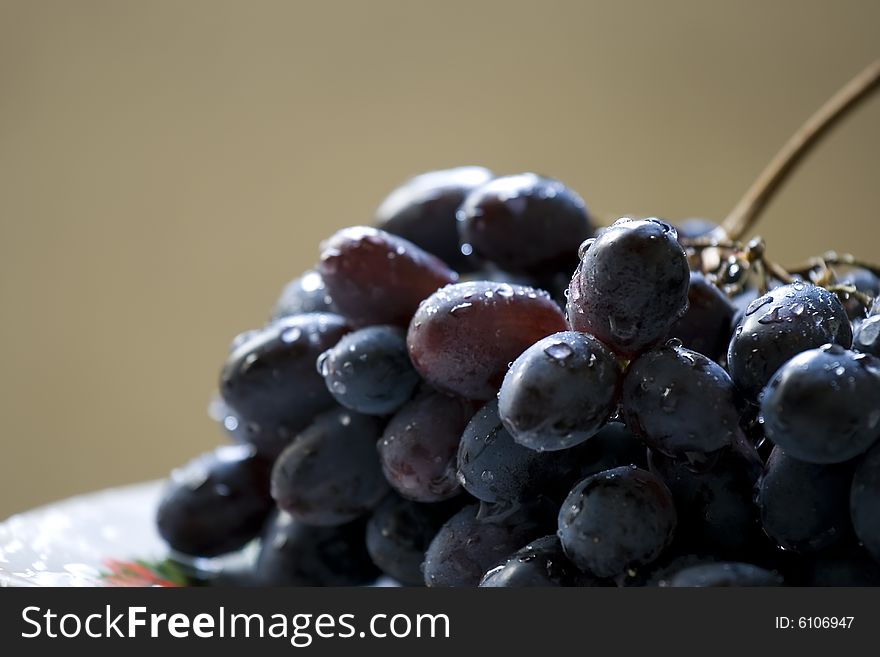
[107, 538]
[79, 541]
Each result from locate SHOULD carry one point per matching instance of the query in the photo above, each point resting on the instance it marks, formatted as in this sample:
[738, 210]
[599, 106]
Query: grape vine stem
[746, 212]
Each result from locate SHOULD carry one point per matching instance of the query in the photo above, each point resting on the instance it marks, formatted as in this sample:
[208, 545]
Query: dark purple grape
[305, 294]
[464, 336]
[680, 402]
[616, 520]
[804, 506]
[706, 327]
[541, 563]
[369, 371]
[725, 575]
[560, 391]
[419, 447]
[422, 210]
[778, 326]
[524, 223]
[330, 474]
[400, 531]
[494, 468]
[631, 285]
[269, 380]
[867, 336]
[715, 507]
[216, 503]
[295, 554]
[865, 500]
[476, 540]
[822, 405]
[375, 277]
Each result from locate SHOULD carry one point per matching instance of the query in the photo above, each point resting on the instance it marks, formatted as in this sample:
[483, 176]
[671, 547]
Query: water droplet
[757, 304]
[584, 247]
[291, 335]
[487, 476]
[559, 351]
[504, 290]
[466, 249]
[338, 387]
[667, 401]
[772, 317]
[460, 309]
[230, 422]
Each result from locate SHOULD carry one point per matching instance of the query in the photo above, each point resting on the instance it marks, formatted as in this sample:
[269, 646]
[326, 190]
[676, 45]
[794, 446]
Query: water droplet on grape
[559, 351]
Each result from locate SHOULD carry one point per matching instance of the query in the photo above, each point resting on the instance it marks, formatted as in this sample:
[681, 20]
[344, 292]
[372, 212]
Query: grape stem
[832, 258]
[744, 215]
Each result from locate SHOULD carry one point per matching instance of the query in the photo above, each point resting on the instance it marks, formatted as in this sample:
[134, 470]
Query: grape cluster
[484, 389]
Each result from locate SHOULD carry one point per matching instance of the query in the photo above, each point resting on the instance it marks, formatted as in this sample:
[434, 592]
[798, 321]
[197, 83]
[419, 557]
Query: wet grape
[494, 468]
[419, 447]
[375, 277]
[464, 336]
[630, 286]
[616, 520]
[821, 406]
[369, 371]
[780, 325]
[804, 506]
[560, 391]
[216, 503]
[524, 223]
[680, 402]
[330, 474]
[269, 380]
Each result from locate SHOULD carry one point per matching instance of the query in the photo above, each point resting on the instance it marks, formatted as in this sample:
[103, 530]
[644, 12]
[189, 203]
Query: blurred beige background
[165, 166]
